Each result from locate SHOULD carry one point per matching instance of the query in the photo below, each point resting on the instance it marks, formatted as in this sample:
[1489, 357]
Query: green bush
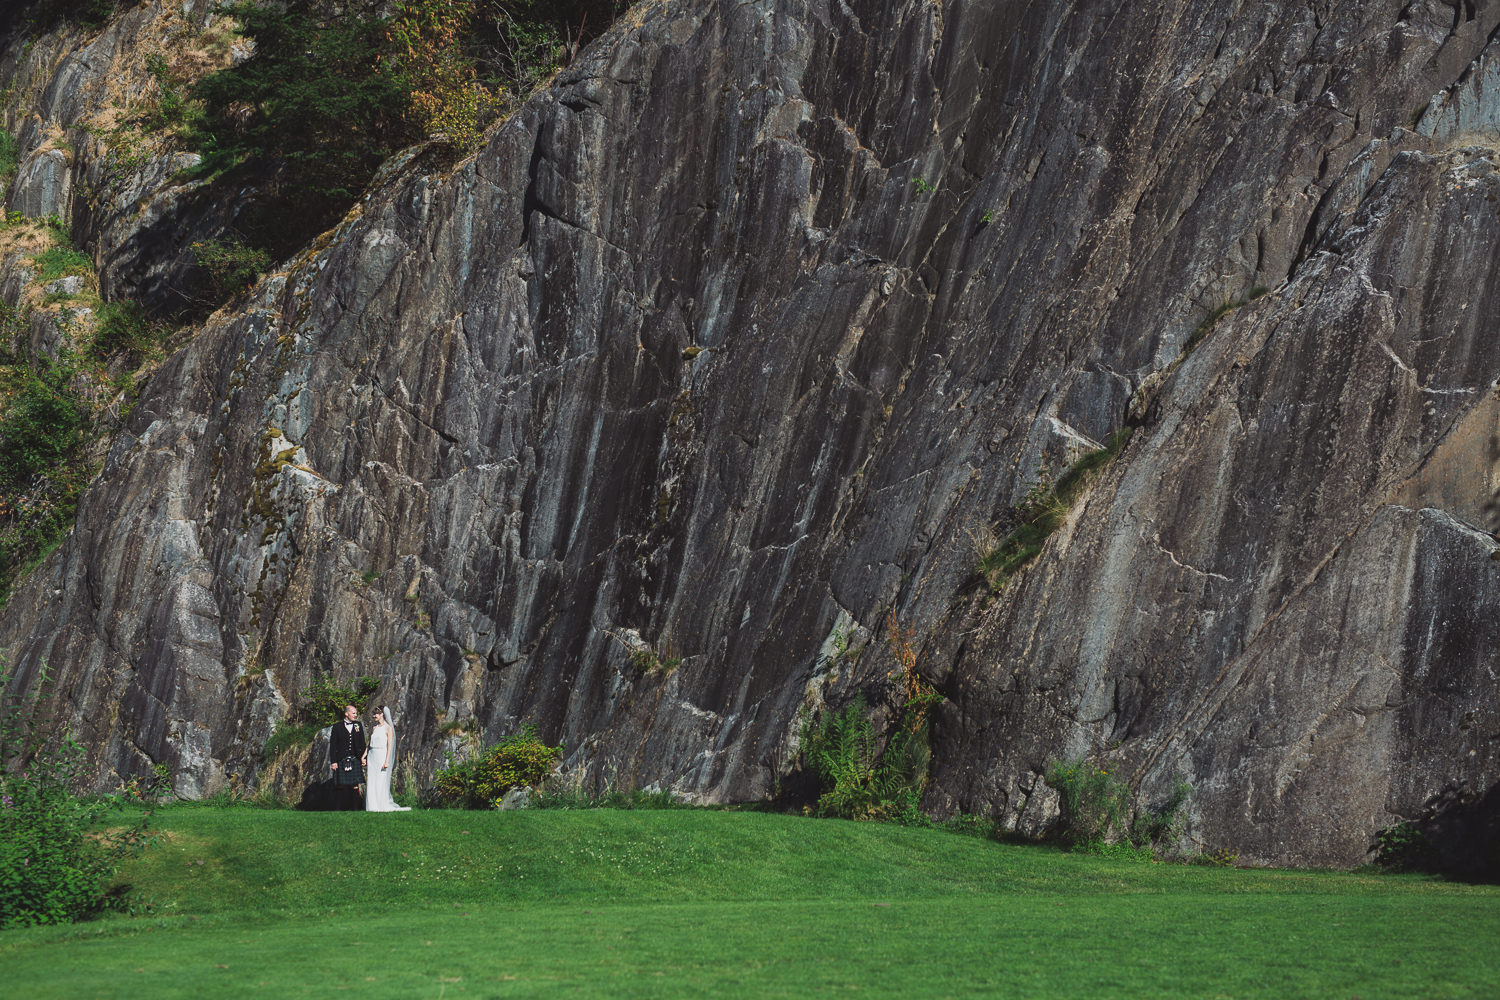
[324, 701]
[61, 230]
[1093, 804]
[152, 787]
[647, 661]
[334, 87]
[289, 736]
[858, 778]
[173, 111]
[54, 864]
[1156, 827]
[44, 15]
[42, 434]
[43, 425]
[519, 45]
[123, 329]
[311, 109]
[10, 155]
[1401, 846]
[480, 782]
[233, 266]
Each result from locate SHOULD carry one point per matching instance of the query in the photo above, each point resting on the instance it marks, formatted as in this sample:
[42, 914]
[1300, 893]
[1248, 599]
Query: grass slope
[694, 903]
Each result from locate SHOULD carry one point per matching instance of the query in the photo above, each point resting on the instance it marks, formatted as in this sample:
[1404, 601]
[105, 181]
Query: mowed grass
[742, 904]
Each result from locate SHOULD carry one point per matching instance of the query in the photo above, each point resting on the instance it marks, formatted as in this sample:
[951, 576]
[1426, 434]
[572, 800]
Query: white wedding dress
[382, 753]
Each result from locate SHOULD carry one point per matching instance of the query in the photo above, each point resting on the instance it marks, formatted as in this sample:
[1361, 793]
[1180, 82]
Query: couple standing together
[348, 757]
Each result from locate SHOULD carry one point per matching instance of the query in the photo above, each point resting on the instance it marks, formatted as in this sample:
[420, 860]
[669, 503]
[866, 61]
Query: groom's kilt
[349, 772]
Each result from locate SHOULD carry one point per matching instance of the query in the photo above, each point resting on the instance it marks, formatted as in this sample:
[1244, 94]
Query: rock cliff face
[739, 341]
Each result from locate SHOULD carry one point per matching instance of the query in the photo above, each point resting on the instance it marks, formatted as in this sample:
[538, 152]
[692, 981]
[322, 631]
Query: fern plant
[859, 778]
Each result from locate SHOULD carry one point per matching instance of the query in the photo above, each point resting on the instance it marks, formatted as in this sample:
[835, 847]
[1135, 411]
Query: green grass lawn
[705, 903]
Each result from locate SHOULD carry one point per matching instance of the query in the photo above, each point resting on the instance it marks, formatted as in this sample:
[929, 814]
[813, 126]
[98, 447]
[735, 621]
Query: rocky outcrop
[74, 100]
[746, 334]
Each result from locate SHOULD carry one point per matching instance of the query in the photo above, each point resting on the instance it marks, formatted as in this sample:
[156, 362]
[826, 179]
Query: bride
[382, 759]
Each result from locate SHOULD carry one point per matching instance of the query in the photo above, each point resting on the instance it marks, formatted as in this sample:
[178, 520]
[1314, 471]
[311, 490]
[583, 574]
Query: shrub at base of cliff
[54, 864]
[1402, 847]
[1457, 836]
[1091, 803]
[153, 787]
[1157, 829]
[288, 736]
[480, 782]
[857, 778]
[1094, 806]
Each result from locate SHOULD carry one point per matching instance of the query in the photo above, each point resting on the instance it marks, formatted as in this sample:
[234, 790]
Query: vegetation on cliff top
[299, 128]
[293, 132]
[44, 15]
[332, 89]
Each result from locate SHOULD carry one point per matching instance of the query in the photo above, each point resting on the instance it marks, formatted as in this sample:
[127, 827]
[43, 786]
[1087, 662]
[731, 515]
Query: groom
[346, 756]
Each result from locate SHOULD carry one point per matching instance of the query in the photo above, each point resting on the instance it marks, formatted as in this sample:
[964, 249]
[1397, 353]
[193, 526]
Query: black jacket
[342, 743]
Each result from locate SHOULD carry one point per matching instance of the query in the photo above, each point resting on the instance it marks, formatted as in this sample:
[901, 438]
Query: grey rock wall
[750, 330]
[43, 185]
